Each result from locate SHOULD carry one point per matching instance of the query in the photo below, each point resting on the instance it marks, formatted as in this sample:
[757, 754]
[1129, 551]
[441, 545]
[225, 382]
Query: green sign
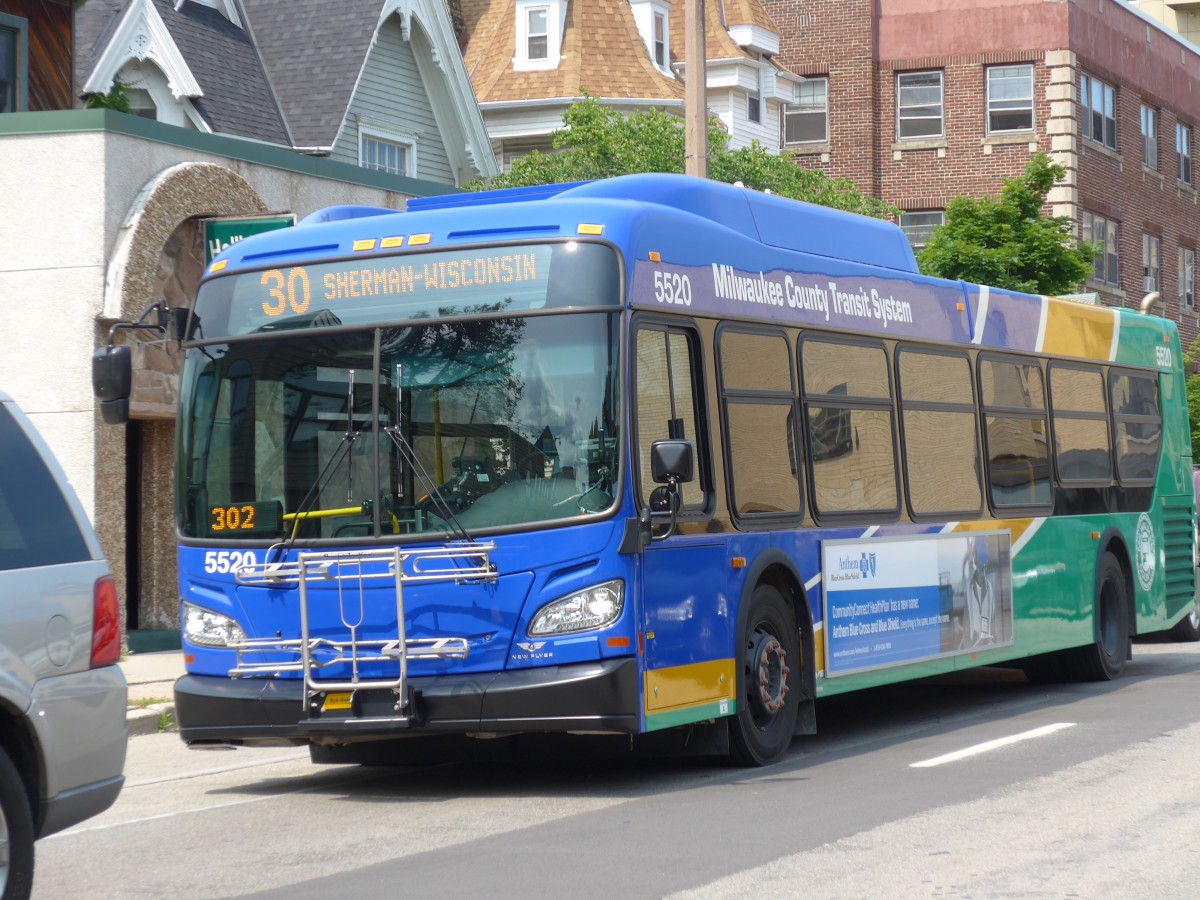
[220, 233]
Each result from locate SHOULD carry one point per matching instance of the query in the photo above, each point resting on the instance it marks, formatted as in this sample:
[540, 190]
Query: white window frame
[1008, 97]
[1187, 278]
[1098, 109]
[754, 97]
[1151, 262]
[918, 225]
[812, 104]
[912, 104]
[1149, 126]
[404, 140]
[661, 40]
[1183, 152]
[1098, 229]
[555, 11]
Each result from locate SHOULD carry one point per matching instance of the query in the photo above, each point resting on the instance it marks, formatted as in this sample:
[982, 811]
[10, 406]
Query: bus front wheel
[768, 681]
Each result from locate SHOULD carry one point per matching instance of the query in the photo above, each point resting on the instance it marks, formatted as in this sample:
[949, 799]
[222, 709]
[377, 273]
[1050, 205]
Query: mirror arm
[162, 316]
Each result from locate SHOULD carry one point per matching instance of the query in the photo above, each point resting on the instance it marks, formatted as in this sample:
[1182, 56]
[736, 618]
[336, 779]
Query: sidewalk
[151, 677]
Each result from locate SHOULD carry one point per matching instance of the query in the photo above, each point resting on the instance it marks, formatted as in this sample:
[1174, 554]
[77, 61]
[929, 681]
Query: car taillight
[106, 624]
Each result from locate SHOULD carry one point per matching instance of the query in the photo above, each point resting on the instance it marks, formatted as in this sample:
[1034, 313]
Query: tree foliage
[596, 142]
[1007, 241]
[116, 99]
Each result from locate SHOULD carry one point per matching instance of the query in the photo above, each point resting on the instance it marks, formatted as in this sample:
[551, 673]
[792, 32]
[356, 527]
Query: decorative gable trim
[451, 97]
[227, 8]
[141, 34]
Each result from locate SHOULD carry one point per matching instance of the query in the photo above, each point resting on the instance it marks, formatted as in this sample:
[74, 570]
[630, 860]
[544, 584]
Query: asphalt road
[980, 785]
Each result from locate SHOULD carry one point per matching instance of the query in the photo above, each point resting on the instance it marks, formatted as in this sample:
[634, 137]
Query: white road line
[991, 745]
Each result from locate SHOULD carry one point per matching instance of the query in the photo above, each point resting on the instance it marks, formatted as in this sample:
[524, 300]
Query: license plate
[337, 701]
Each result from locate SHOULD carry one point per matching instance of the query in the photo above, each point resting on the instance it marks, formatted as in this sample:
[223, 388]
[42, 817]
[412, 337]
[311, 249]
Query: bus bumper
[598, 697]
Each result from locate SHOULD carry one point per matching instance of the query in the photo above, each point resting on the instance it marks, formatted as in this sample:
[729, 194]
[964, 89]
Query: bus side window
[1014, 415]
[667, 374]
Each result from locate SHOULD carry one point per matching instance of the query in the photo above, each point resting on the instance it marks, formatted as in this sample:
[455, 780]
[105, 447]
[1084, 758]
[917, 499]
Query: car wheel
[16, 834]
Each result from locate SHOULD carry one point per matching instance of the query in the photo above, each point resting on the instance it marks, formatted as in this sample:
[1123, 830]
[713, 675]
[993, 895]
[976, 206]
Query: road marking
[991, 745]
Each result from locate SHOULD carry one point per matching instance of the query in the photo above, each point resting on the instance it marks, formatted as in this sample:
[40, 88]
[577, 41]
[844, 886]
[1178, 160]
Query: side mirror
[112, 382]
[112, 373]
[672, 462]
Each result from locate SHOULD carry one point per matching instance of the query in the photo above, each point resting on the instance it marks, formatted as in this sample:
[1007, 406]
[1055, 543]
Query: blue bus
[652, 457]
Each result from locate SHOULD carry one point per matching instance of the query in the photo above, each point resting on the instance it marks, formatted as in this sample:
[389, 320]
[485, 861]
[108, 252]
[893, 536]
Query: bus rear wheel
[1104, 659]
[768, 681]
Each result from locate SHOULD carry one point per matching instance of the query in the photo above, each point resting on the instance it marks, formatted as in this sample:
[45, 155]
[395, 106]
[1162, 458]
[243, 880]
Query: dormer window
[224, 7]
[653, 24]
[539, 34]
[536, 37]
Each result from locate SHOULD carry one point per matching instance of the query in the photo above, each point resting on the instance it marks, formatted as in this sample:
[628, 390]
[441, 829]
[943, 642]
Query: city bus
[652, 457]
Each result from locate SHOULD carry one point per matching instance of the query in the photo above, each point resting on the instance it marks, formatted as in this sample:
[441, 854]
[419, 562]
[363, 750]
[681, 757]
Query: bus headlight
[593, 607]
[210, 629]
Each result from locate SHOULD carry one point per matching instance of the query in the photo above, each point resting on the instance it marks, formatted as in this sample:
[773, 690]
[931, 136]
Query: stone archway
[158, 255]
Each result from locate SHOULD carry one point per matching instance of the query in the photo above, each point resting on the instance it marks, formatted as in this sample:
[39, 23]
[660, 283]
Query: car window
[37, 527]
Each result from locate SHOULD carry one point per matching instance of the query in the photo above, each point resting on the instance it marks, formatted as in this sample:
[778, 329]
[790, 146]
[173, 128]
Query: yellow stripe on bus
[690, 685]
[1073, 329]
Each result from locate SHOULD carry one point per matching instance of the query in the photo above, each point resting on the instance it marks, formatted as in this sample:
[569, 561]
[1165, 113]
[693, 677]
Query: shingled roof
[314, 59]
[237, 97]
[602, 53]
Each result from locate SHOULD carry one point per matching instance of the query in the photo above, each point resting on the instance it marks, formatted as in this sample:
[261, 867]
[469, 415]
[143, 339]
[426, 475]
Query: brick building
[919, 101]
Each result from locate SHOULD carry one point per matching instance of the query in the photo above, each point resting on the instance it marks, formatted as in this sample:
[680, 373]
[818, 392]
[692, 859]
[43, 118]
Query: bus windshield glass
[404, 430]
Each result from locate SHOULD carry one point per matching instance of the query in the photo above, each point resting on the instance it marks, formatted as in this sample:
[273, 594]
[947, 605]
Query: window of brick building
[1009, 99]
[1151, 264]
[918, 226]
[1103, 233]
[1149, 137]
[919, 105]
[1097, 109]
[1187, 278]
[1183, 152]
[807, 120]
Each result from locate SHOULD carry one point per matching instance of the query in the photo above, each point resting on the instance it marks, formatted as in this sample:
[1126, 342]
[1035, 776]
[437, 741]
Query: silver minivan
[63, 728]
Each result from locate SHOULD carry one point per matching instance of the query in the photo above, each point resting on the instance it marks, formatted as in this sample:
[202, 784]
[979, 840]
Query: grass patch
[149, 701]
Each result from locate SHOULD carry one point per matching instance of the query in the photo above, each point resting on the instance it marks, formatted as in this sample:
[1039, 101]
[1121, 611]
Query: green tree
[1008, 241]
[1192, 385]
[116, 99]
[596, 142]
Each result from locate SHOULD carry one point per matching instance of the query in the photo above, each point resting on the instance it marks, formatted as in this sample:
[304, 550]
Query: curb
[149, 719]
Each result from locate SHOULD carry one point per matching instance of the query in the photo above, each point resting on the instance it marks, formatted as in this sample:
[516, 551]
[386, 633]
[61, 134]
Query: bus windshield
[401, 430]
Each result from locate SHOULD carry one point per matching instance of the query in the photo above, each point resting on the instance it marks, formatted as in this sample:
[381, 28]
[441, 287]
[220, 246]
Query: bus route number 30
[224, 561]
[673, 288]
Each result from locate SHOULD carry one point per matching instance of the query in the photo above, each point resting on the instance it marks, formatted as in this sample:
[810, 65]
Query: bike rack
[350, 571]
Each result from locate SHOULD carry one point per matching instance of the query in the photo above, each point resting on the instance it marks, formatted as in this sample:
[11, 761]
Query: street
[977, 785]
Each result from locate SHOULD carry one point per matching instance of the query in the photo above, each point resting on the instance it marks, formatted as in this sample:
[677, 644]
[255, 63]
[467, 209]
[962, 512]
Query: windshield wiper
[396, 433]
[341, 451]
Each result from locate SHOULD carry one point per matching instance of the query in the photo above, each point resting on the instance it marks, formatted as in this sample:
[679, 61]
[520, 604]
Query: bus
[652, 457]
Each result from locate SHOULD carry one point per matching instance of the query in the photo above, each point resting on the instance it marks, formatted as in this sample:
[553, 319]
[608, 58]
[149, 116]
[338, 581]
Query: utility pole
[695, 95]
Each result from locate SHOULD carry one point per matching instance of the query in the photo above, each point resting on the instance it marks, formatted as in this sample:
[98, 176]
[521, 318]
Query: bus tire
[1104, 659]
[768, 681]
[1187, 629]
[16, 834]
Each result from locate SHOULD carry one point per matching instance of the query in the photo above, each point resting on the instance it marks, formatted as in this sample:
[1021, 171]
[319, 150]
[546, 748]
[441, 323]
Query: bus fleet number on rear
[673, 288]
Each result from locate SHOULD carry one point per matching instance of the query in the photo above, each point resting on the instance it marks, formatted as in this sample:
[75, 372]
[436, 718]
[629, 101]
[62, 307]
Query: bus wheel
[1104, 659]
[16, 833]
[768, 681]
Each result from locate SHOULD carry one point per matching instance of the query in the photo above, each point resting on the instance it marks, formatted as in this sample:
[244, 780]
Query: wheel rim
[1194, 615]
[767, 676]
